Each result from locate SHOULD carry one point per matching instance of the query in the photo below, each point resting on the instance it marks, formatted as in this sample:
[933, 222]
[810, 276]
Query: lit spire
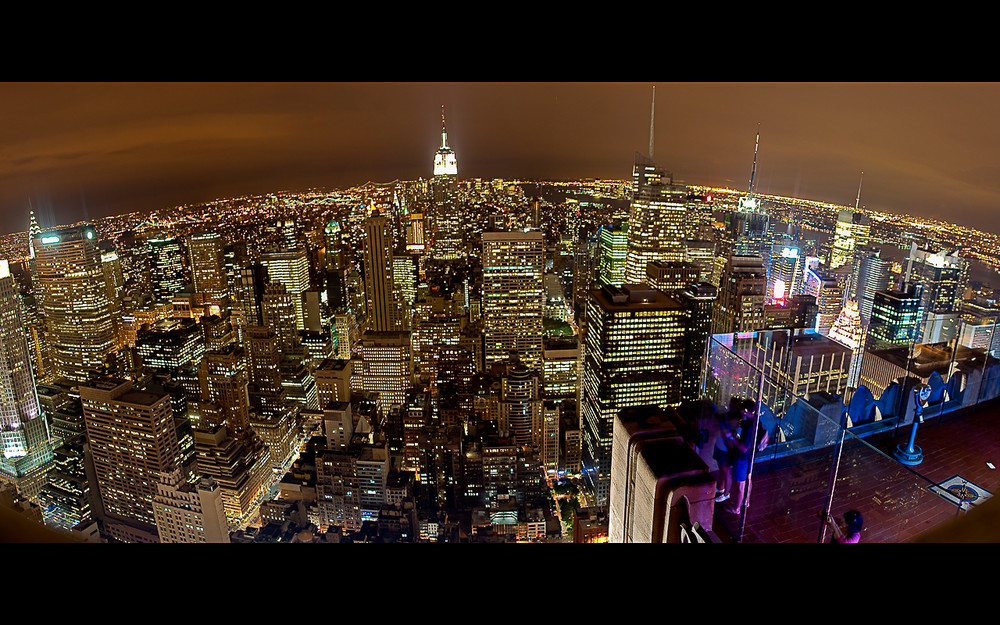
[753, 172]
[652, 114]
[748, 202]
[444, 159]
[858, 200]
[444, 131]
[33, 229]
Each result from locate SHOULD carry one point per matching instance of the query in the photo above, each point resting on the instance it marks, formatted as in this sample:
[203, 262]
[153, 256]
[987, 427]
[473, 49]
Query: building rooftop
[898, 503]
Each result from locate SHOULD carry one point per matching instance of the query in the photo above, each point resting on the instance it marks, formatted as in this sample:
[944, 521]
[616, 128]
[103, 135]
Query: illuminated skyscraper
[336, 267]
[657, 220]
[699, 298]
[944, 277]
[447, 223]
[25, 444]
[785, 276]
[520, 407]
[33, 231]
[133, 440]
[634, 356]
[114, 280]
[851, 232]
[385, 313]
[387, 367]
[740, 303]
[847, 331]
[228, 448]
[829, 294]
[81, 329]
[189, 512]
[208, 265]
[613, 250]
[277, 308]
[166, 265]
[873, 275]
[748, 231]
[292, 270]
[513, 296]
[896, 318]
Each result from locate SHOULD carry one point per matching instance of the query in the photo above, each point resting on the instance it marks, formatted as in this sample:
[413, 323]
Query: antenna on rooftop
[652, 113]
[857, 202]
[753, 172]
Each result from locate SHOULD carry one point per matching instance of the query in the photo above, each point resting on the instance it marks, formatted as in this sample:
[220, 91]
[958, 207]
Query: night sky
[89, 150]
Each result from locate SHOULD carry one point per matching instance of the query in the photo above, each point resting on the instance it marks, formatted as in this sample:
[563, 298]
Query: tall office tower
[285, 228]
[273, 417]
[874, 273]
[852, 231]
[251, 282]
[613, 251]
[240, 463]
[338, 492]
[561, 369]
[513, 296]
[416, 241]
[657, 218]
[784, 277]
[166, 266]
[944, 277]
[699, 298]
[224, 379]
[263, 351]
[78, 312]
[748, 228]
[217, 331]
[387, 367]
[26, 452]
[447, 222]
[549, 451]
[65, 497]
[404, 280]
[170, 345]
[208, 265]
[114, 279]
[189, 512]
[520, 407]
[437, 324]
[896, 317]
[384, 311]
[980, 316]
[227, 446]
[33, 231]
[829, 295]
[333, 381]
[660, 487]
[336, 266]
[292, 270]
[634, 356]
[669, 277]
[701, 252]
[799, 311]
[346, 334]
[847, 331]
[133, 440]
[277, 308]
[38, 337]
[740, 304]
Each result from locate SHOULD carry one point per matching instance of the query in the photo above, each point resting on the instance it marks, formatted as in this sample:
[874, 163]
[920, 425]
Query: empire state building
[444, 160]
[447, 223]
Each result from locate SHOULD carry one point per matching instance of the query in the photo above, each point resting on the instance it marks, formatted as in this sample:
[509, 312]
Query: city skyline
[75, 151]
